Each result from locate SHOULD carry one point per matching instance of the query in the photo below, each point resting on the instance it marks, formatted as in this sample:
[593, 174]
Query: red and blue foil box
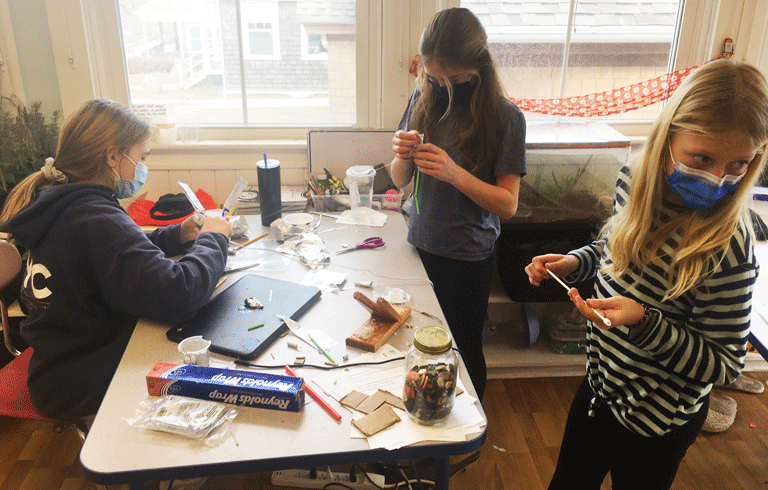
[246, 388]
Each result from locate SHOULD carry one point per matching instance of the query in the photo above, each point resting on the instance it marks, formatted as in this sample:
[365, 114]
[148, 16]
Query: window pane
[614, 44]
[261, 43]
[189, 53]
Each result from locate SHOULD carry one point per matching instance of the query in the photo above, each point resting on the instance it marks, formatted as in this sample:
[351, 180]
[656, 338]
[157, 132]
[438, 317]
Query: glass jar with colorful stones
[431, 371]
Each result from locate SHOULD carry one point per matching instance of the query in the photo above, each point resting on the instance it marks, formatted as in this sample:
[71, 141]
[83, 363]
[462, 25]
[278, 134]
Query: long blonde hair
[87, 136]
[720, 96]
[455, 38]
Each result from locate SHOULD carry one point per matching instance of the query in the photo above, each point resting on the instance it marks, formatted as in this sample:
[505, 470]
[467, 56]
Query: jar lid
[432, 339]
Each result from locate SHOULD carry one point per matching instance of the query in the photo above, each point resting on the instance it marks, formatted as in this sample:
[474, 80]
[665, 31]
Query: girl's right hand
[404, 143]
[561, 265]
[217, 224]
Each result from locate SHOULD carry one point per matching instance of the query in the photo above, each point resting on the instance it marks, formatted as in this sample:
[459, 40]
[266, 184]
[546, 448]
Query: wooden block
[380, 308]
[384, 321]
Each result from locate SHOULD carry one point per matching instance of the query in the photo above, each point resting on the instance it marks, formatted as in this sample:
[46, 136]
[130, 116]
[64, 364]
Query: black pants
[593, 446]
[462, 289]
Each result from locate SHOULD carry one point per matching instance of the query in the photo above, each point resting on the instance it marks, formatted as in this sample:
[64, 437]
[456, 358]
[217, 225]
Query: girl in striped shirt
[675, 269]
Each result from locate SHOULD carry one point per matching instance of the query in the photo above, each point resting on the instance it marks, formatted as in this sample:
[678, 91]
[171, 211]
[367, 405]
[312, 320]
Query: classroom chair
[15, 400]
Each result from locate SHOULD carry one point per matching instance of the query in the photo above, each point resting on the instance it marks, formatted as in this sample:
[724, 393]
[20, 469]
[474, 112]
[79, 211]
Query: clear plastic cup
[188, 121]
[360, 183]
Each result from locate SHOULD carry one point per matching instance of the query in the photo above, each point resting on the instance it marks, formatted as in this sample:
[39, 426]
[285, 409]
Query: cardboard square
[353, 399]
[393, 400]
[378, 420]
[371, 403]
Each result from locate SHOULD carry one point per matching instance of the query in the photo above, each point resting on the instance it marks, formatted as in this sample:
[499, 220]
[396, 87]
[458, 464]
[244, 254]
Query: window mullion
[243, 91]
[567, 47]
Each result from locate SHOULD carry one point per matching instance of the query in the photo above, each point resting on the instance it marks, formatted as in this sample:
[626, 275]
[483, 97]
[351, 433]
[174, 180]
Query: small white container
[194, 350]
[166, 134]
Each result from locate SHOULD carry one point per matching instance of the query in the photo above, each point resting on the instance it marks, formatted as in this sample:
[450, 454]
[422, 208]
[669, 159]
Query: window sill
[208, 146]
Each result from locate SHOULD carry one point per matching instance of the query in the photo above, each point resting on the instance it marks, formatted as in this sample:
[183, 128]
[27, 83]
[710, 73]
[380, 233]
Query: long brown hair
[86, 138]
[455, 38]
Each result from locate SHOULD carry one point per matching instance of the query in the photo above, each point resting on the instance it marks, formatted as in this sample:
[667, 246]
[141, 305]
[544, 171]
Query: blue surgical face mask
[462, 92]
[700, 190]
[128, 188]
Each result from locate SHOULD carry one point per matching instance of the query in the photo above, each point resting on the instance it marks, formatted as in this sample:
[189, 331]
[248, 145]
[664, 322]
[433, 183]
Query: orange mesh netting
[605, 103]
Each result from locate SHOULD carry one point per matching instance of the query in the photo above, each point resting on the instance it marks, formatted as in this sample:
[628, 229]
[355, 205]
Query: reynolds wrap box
[246, 388]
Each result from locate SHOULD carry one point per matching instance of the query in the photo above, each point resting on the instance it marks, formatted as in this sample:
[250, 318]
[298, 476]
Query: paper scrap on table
[366, 379]
[320, 337]
[324, 280]
[370, 218]
[462, 418]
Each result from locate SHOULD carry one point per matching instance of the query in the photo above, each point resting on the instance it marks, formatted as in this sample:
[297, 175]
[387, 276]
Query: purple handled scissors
[373, 242]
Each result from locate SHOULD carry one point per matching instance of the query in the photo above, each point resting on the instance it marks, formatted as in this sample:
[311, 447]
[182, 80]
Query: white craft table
[266, 440]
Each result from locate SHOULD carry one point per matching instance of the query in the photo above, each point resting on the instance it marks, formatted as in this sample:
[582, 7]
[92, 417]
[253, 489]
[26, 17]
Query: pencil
[314, 395]
[221, 281]
[252, 240]
[321, 349]
[605, 320]
[255, 326]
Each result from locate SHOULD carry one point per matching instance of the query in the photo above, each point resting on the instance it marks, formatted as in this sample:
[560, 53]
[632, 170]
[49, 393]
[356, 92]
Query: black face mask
[462, 92]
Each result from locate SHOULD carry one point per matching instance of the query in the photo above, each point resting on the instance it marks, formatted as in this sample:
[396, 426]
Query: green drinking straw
[321, 349]
[416, 191]
[416, 185]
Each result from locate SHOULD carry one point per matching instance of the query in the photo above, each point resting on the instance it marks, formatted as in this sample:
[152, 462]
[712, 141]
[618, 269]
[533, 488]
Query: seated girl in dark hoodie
[90, 271]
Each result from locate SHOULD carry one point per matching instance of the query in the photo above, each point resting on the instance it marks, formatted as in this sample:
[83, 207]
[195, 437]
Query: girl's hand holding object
[606, 321]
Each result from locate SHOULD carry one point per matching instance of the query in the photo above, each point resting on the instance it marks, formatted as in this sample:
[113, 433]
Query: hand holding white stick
[606, 321]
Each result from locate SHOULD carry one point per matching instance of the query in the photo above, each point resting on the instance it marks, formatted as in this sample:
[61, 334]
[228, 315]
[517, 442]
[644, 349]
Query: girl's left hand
[188, 231]
[219, 223]
[434, 161]
[620, 310]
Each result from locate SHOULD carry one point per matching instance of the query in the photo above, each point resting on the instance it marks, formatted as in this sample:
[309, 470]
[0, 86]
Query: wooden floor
[525, 424]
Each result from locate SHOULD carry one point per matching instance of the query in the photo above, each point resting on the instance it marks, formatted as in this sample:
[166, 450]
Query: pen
[314, 395]
[605, 320]
[321, 349]
[252, 240]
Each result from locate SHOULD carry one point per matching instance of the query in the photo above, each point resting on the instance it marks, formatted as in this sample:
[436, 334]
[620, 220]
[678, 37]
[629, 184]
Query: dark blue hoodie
[91, 274]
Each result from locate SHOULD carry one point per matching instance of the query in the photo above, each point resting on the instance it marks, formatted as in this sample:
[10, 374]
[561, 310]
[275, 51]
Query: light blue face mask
[700, 190]
[128, 188]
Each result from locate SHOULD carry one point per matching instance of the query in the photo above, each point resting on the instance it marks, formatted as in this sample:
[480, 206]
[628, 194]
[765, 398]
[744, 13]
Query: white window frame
[387, 40]
[305, 54]
[259, 13]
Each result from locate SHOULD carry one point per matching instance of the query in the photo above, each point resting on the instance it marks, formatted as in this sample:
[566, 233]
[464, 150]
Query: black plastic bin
[517, 245]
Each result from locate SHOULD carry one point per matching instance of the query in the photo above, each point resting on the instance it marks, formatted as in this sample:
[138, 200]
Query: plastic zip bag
[202, 420]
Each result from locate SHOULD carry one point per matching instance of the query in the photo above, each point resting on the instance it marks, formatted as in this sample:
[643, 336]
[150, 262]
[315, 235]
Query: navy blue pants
[593, 446]
[462, 289]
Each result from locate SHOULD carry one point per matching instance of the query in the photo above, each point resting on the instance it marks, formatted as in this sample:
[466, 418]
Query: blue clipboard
[226, 319]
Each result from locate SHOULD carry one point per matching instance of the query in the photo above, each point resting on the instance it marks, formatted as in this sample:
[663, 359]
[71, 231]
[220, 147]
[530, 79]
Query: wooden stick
[605, 320]
[252, 240]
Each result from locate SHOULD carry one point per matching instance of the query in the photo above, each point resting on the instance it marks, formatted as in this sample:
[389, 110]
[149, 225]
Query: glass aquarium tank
[572, 172]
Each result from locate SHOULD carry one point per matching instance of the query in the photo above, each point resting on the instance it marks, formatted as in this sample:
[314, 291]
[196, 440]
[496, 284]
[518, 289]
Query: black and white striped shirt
[654, 381]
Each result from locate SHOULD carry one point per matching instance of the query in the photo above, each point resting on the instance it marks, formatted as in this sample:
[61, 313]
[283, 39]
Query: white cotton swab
[606, 321]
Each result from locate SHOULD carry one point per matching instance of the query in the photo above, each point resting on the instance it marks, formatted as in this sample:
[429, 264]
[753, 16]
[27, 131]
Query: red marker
[314, 395]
